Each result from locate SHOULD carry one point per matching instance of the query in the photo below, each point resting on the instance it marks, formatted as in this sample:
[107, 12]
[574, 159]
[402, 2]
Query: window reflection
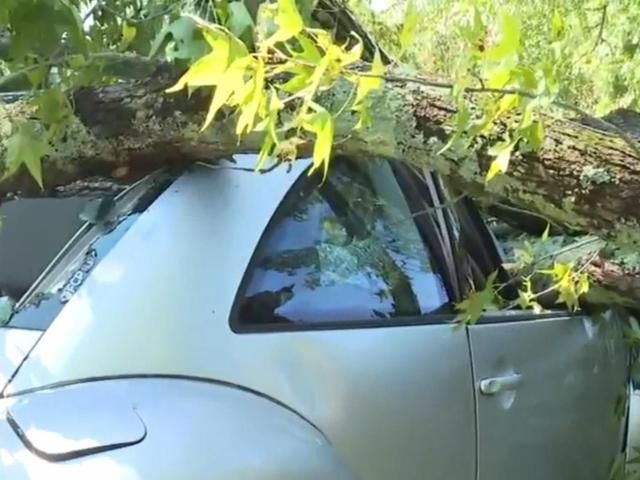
[347, 249]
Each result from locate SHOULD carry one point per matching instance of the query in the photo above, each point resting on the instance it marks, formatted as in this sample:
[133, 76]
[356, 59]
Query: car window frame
[430, 236]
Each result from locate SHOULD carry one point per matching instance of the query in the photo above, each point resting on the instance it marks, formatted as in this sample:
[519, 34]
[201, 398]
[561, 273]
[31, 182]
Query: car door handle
[491, 386]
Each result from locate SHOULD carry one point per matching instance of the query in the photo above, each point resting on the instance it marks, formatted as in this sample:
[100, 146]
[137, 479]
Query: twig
[603, 20]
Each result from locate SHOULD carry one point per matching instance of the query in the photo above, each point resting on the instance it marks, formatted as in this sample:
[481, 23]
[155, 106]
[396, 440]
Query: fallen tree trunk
[582, 178]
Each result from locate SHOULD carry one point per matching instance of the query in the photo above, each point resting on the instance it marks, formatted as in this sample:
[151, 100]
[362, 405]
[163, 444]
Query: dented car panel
[151, 324]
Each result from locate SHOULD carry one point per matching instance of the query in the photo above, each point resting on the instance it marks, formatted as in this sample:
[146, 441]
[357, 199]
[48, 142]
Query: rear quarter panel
[195, 431]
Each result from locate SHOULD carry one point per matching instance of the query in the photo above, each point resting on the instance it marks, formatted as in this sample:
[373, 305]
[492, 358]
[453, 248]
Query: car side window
[345, 249]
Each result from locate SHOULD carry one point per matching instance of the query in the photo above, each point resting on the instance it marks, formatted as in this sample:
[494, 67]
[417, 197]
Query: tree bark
[582, 178]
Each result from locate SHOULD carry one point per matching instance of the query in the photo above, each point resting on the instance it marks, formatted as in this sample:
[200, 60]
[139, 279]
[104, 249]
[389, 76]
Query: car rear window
[344, 249]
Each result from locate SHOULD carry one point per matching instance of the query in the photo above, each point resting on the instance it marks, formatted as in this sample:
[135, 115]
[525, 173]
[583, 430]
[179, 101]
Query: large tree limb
[582, 177]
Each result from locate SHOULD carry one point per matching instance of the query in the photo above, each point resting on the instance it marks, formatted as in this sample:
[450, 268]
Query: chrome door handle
[491, 386]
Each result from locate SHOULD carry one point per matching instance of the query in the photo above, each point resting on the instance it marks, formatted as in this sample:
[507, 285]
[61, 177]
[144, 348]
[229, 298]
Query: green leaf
[288, 20]
[239, 18]
[533, 135]
[310, 52]
[545, 234]
[557, 26]
[367, 84]
[186, 42]
[502, 152]
[321, 123]
[128, 35]
[53, 110]
[75, 29]
[478, 302]
[409, 27]
[249, 111]
[27, 145]
[509, 41]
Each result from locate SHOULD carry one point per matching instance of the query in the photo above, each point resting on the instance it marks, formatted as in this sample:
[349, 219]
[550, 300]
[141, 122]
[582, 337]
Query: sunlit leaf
[557, 26]
[321, 123]
[509, 41]
[366, 84]
[288, 20]
[206, 71]
[353, 54]
[409, 26]
[502, 152]
[248, 113]
[309, 52]
[227, 84]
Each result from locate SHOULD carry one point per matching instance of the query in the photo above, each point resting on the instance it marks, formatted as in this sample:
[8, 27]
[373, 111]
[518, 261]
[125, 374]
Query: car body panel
[395, 399]
[570, 397]
[194, 430]
[345, 381]
[15, 344]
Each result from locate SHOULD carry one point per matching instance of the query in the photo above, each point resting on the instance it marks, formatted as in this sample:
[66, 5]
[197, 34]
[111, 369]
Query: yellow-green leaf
[207, 70]
[557, 26]
[265, 152]
[502, 152]
[288, 20]
[506, 104]
[409, 27]
[353, 54]
[248, 112]
[27, 145]
[309, 52]
[296, 83]
[509, 41]
[371, 81]
[128, 35]
[472, 308]
[230, 82]
[583, 284]
[321, 123]
[498, 77]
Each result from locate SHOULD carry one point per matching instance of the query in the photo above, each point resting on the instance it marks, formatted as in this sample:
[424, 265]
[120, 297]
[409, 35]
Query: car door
[550, 388]
[551, 392]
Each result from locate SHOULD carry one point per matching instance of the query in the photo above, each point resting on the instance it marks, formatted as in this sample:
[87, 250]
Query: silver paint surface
[195, 431]
[397, 402]
[14, 346]
[558, 422]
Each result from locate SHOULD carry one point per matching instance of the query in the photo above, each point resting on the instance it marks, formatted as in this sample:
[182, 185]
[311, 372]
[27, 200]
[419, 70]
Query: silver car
[220, 324]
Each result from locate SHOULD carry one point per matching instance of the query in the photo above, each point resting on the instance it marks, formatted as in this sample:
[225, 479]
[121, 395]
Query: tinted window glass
[347, 249]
